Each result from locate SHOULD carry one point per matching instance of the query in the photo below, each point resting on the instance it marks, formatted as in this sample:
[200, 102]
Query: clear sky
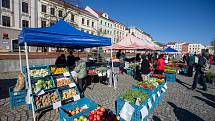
[166, 20]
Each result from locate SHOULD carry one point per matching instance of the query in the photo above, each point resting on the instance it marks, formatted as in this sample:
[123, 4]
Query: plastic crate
[65, 88]
[158, 99]
[36, 67]
[147, 90]
[130, 72]
[47, 107]
[169, 77]
[71, 106]
[55, 77]
[17, 98]
[136, 116]
[46, 78]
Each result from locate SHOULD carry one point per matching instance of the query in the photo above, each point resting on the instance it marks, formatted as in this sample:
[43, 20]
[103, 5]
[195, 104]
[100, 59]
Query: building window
[6, 21]
[44, 8]
[25, 23]
[60, 13]
[93, 24]
[108, 24]
[52, 23]
[6, 3]
[101, 22]
[105, 23]
[72, 17]
[24, 7]
[88, 22]
[43, 24]
[82, 21]
[52, 12]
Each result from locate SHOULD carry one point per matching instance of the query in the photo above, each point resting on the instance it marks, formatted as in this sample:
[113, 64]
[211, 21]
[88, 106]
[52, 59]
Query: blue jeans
[199, 78]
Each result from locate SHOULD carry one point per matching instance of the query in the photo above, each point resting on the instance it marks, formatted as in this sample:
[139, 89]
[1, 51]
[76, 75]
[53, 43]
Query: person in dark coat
[71, 60]
[61, 60]
[191, 61]
[118, 54]
[145, 67]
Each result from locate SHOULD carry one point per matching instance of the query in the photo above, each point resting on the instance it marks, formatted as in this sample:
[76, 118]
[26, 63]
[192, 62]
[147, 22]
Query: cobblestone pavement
[178, 104]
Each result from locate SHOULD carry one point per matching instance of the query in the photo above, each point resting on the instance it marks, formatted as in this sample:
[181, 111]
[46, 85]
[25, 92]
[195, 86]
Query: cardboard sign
[66, 74]
[72, 85]
[144, 112]
[126, 112]
[149, 103]
[77, 97]
[57, 105]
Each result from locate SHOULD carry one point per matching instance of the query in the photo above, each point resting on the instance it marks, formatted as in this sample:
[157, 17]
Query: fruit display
[58, 70]
[169, 70]
[97, 115]
[40, 84]
[76, 111]
[46, 100]
[81, 118]
[63, 81]
[132, 95]
[159, 76]
[150, 83]
[39, 72]
[68, 93]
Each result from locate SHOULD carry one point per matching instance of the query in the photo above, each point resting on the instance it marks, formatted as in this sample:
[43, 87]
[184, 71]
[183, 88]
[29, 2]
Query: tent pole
[29, 80]
[20, 60]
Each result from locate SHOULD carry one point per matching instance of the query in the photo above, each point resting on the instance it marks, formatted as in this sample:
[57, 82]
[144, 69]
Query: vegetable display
[58, 70]
[131, 96]
[63, 81]
[42, 84]
[69, 93]
[39, 72]
[46, 100]
[169, 70]
[159, 76]
[150, 83]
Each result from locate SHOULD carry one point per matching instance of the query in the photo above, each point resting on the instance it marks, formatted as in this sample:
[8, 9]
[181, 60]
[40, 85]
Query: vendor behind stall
[61, 60]
[81, 74]
[71, 60]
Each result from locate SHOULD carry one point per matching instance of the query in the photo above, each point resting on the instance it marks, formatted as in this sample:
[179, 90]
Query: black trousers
[158, 72]
[199, 78]
[190, 71]
[81, 86]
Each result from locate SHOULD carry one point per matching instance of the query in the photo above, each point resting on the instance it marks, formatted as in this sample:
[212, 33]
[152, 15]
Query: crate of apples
[75, 111]
[97, 115]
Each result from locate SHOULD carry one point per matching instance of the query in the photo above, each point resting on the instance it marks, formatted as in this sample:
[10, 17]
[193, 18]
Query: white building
[105, 24]
[210, 49]
[195, 48]
[15, 14]
[139, 33]
[119, 31]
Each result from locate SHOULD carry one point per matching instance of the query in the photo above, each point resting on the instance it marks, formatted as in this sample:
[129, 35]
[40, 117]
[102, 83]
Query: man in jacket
[191, 61]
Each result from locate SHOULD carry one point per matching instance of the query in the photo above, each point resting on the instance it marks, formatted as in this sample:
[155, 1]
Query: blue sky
[166, 20]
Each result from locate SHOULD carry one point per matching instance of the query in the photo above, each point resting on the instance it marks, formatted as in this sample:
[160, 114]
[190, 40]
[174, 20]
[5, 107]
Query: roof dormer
[105, 15]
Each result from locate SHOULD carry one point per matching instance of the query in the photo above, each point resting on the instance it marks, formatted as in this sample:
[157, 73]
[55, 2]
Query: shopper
[160, 65]
[80, 77]
[145, 67]
[199, 75]
[61, 60]
[211, 60]
[71, 60]
[191, 61]
[118, 54]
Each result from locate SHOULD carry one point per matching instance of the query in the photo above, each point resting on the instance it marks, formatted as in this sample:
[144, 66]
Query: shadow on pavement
[183, 114]
[5, 84]
[188, 86]
[208, 96]
[155, 118]
[210, 103]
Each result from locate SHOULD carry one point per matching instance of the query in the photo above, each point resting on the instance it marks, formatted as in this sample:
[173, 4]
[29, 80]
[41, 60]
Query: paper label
[154, 97]
[41, 92]
[144, 112]
[74, 74]
[158, 93]
[72, 85]
[99, 74]
[165, 86]
[149, 103]
[163, 89]
[77, 97]
[57, 105]
[66, 74]
[127, 111]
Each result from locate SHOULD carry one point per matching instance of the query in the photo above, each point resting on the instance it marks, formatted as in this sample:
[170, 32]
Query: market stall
[50, 86]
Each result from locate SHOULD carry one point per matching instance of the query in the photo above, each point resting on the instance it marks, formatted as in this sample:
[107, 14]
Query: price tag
[158, 93]
[74, 74]
[163, 89]
[72, 85]
[57, 105]
[40, 92]
[149, 103]
[144, 112]
[66, 74]
[154, 97]
[77, 97]
[127, 111]
[165, 86]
